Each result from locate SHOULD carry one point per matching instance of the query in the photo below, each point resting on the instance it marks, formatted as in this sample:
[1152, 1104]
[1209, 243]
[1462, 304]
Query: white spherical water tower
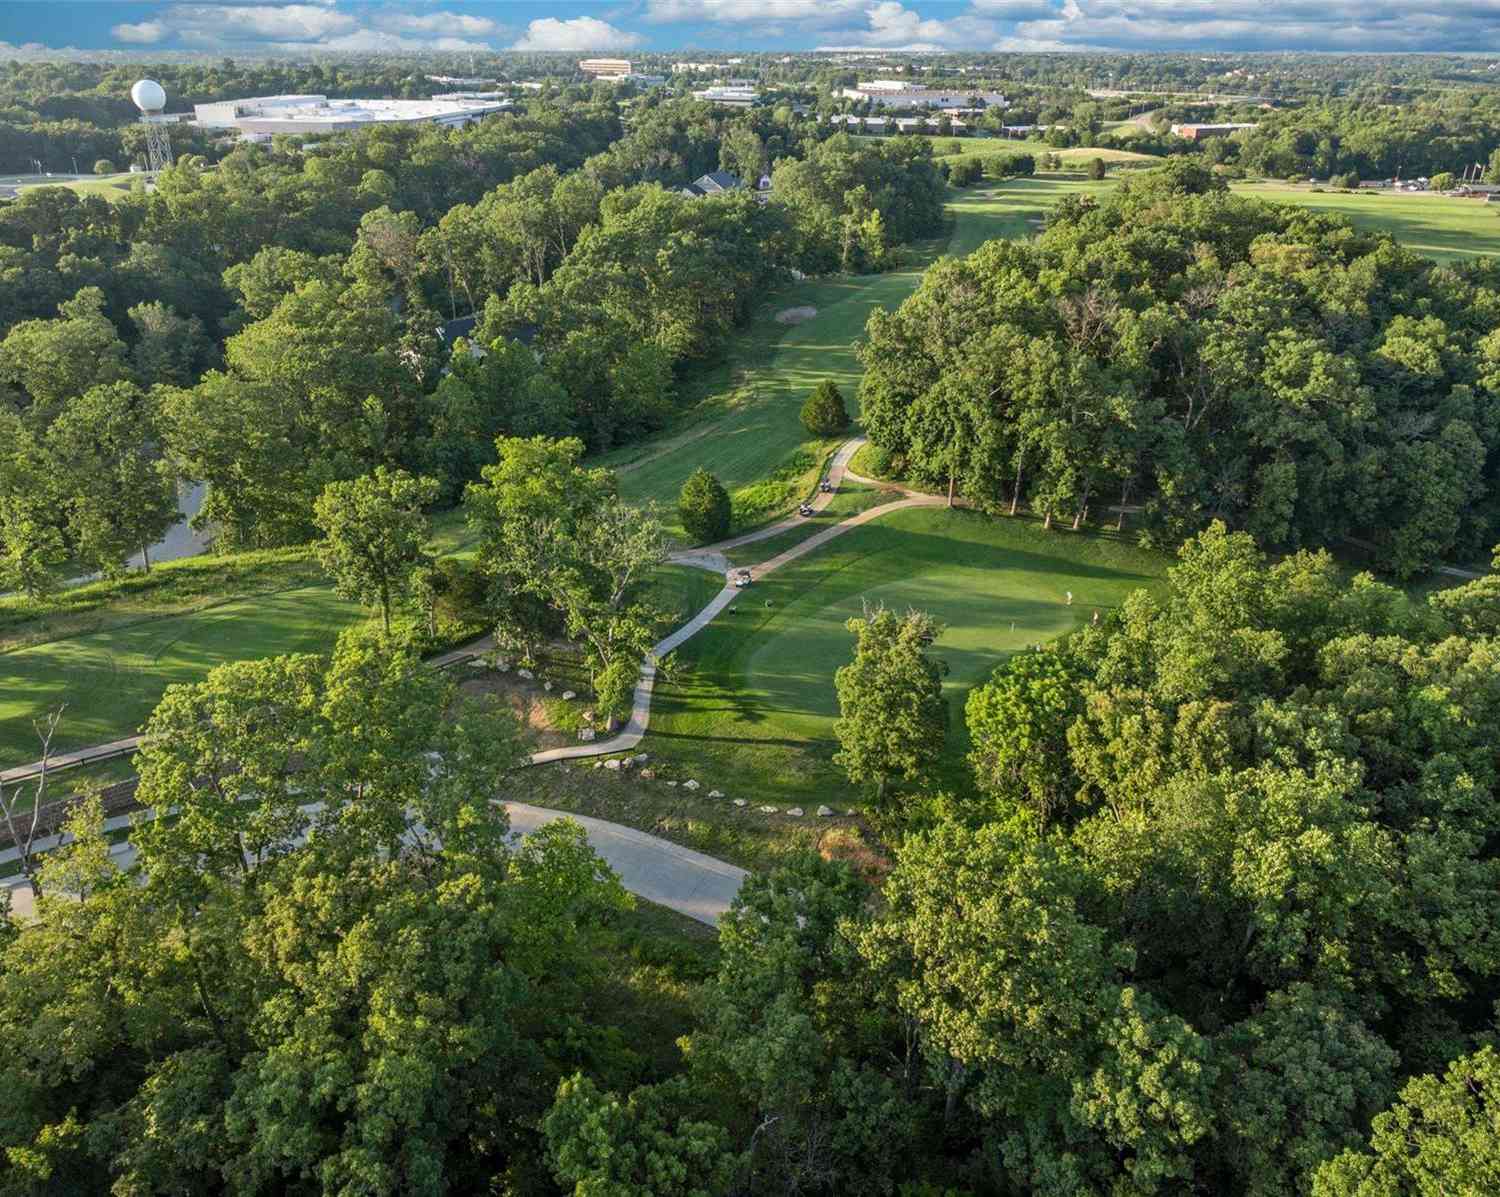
[151, 98]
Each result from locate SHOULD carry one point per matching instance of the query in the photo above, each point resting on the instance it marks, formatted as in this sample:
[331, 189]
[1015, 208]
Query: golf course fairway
[753, 696]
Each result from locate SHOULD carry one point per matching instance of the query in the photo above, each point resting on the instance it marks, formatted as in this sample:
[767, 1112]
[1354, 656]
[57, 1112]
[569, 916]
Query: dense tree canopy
[1205, 356]
[1266, 874]
[558, 534]
[277, 1001]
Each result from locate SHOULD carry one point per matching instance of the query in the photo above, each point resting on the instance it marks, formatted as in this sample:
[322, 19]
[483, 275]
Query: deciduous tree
[892, 715]
[374, 531]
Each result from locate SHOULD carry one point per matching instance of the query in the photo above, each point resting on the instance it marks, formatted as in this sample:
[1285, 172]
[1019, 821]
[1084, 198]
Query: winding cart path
[689, 882]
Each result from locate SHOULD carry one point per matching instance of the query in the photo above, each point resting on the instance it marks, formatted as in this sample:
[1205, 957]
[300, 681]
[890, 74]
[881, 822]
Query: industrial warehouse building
[1199, 132]
[896, 93]
[264, 115]
[728, 96]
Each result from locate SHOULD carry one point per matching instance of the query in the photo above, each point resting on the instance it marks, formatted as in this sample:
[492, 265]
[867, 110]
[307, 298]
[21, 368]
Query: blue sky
[249, 26]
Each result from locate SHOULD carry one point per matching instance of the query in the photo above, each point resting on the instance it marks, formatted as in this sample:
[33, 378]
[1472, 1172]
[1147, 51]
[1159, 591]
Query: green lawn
[744, 426]
[754, 703]
[1433, 225]
[746, 430]
[999, 147]
[112, 680]
[1011, 209]
[111, 187]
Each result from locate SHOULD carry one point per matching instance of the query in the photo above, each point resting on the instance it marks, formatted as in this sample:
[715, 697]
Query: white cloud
[378, 41]
[743, 12]
[578, 33]
[321, 26]
[443, 23]
[1199, 25]
[229, 23]
[892, 26]
[143, 33]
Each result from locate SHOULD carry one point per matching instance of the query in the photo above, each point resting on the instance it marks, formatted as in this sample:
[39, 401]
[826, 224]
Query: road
[181, 540]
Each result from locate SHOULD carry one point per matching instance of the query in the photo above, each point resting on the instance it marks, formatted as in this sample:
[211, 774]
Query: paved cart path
[658, 870]
[709, 557]
[696, 885]
[699, 886]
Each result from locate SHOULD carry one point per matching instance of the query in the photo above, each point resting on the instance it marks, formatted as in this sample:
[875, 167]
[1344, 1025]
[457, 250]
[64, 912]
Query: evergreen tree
[703, 506]
[824, 413]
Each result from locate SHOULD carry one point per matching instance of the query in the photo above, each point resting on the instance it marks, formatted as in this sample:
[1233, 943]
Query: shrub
[1007, 166]
[824, 413]
[966, 172]
[105, 167]
[1097, 168]
[881, 462]
[703, 506]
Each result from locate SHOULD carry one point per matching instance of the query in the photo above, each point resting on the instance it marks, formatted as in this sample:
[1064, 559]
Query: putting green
[756, 701]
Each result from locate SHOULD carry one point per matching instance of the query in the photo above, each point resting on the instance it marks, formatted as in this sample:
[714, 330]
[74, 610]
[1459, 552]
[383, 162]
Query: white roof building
[318, 114]
[732, 97]
[897, 93]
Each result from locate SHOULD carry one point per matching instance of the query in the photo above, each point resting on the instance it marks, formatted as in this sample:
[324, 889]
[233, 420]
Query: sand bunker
[795, 315]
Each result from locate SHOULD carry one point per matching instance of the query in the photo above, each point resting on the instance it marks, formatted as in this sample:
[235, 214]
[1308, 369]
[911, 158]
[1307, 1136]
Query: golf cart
[742, 578]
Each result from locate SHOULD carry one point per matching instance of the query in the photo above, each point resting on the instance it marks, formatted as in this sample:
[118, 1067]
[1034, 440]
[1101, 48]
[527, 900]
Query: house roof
[451, 330]
[717, 180]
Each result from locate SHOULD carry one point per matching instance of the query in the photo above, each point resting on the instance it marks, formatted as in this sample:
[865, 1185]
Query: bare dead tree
[1088, 317]
[23, 824]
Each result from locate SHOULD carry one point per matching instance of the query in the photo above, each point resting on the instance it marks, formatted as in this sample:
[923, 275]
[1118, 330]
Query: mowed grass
[753, 701]
[110, 187]
[1001, 147]
[744, 426]
[110, 681]
[1011, 209]
[1435, 226]
[747, 429]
